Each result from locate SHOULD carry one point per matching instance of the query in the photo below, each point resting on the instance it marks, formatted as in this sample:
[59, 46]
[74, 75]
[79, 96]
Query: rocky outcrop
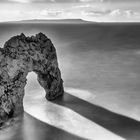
[19, 56]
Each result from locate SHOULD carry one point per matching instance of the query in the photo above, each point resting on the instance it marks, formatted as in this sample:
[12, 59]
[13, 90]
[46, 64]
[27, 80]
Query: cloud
[110, 15]
[86, 11]
[20, 1]
[90, 1]
[12, 15]
[27, 1]
[94, 12]
[67, 1]
[126, 13]
[86, 0]
[51, 12]
[82, 6]
[47, 1]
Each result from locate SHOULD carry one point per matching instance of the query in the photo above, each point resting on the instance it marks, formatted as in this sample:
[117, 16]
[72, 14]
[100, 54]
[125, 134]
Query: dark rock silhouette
[20, 56]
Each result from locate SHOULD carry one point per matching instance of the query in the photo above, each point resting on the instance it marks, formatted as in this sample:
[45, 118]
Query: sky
[90, 10]
[70, 1]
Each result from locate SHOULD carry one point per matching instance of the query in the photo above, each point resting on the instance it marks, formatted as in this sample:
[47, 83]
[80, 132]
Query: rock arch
[19, 56]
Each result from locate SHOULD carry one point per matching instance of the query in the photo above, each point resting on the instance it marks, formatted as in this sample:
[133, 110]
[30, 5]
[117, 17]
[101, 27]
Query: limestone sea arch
[19, 56]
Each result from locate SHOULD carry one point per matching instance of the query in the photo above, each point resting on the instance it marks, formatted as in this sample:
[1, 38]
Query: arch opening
[34, 93]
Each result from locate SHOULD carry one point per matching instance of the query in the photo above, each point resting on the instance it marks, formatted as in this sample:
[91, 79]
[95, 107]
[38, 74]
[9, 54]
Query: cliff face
[19, 56]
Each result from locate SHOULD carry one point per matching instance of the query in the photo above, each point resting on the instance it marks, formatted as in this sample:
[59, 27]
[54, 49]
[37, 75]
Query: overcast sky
[69, 1]
[92, 10]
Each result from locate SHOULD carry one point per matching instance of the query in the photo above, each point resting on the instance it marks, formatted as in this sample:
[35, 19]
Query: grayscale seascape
[100, 66]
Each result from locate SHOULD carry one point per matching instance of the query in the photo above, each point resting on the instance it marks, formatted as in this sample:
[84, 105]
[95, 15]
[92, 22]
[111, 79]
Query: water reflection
[122, 126]
[29, 128]
[65, 118]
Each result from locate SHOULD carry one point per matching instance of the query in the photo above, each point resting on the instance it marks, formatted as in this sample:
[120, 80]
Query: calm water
[100, 64]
